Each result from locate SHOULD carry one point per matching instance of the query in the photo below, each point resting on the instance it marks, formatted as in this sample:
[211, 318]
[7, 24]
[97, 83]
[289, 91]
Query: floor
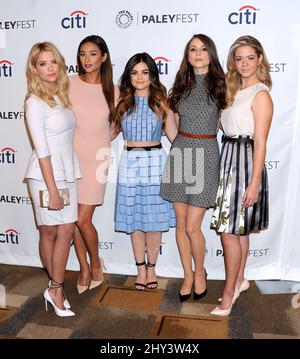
[115, 310]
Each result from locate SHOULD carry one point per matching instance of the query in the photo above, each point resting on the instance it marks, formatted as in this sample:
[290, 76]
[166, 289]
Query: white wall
[162, 29]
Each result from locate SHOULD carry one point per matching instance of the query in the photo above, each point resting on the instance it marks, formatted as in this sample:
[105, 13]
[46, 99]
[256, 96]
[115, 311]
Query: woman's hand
[55, 202]
[250, 196]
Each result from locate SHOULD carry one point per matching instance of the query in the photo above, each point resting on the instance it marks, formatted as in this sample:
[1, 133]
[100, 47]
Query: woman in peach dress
[92, 95]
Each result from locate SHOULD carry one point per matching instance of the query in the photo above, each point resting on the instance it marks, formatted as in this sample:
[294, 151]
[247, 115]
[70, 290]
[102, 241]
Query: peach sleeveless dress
[91, 139]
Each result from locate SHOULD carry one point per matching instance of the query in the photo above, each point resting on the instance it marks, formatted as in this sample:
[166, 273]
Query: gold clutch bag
[63, 192]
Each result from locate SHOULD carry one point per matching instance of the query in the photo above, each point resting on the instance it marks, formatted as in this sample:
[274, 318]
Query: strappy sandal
[153, 284]
[137, 284]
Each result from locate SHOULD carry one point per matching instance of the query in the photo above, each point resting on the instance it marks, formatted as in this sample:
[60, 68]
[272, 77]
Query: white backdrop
[161, 29]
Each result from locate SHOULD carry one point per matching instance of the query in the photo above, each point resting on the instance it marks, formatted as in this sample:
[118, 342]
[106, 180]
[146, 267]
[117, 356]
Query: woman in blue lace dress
[140, 211]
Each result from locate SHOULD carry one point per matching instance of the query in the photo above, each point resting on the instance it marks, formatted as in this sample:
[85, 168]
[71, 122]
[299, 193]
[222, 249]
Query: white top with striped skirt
[238, 118]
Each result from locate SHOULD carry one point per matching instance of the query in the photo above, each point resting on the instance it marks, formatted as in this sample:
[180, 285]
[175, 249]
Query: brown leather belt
[196, 136]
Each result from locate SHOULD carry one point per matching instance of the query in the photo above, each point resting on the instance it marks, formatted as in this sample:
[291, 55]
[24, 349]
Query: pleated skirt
[229, 215]
[138, 205]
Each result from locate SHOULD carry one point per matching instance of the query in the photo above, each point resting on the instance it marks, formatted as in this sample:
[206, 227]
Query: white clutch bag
[63, 192]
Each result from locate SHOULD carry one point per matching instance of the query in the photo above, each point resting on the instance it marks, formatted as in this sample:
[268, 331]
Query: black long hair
[157, 99]
[105, 72]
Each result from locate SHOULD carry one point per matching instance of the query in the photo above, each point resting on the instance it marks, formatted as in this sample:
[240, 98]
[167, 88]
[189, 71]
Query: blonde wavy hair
[36, 86]
[233, 78]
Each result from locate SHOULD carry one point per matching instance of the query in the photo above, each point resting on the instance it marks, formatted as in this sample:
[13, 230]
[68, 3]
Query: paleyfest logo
[124, 19]
[245, 15]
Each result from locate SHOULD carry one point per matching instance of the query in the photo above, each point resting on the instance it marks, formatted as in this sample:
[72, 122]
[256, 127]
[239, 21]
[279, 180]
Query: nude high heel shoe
[81, 288]
[244, 286]
[224, 312]
[96, 283]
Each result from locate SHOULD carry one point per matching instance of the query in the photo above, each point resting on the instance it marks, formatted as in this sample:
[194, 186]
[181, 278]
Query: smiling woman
[242, 204]
[53, 164]
[93, 98]
[140, 211]
[197, 98]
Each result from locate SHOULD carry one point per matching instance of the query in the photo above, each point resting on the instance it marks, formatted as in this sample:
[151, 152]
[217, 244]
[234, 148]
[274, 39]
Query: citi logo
[10, 236]
[5, 68]
[245, 15]
[77, 19]
[7, 155]
[162, 64]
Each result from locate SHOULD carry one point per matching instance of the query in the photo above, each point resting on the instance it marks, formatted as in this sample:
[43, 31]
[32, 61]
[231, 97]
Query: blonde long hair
[233, 78]
[34, 84]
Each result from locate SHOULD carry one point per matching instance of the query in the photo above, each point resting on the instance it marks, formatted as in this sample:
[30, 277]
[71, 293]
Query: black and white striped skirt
[229, 215]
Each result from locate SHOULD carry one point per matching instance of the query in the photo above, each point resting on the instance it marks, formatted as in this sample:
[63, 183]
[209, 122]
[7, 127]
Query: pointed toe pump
[66, 302]
[97, 283]
[198, 296]
[224, 312]
[81, 288]
[244, 286]
[184, 297]
[58, 311]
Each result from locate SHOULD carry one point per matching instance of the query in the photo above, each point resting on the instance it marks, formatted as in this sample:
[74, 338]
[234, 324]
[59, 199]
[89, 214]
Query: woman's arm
[262, 108]
[36, 115]
[171, 125]
[55, 201]
[112, 128]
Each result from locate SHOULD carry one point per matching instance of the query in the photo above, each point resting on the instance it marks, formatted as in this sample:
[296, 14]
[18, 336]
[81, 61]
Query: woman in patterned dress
[242, 200]
[140, 211]
[190, 178]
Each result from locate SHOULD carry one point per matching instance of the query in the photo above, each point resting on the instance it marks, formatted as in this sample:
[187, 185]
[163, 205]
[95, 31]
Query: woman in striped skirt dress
[242, 201]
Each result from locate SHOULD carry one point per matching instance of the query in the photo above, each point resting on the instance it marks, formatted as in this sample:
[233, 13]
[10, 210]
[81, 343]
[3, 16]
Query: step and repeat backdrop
[161, 28]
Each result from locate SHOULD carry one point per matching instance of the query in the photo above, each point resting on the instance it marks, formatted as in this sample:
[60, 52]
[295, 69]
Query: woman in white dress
[53, 164]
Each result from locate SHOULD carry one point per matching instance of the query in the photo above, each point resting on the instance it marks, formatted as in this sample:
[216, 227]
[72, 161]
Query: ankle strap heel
[151, 265]
[59, 312]
[140, 264]
[140, 286]
[152, 284]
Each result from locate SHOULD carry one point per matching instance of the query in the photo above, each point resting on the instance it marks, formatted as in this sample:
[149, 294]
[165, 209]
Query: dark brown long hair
[157, 99]
[105, 72]
[185, 77]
